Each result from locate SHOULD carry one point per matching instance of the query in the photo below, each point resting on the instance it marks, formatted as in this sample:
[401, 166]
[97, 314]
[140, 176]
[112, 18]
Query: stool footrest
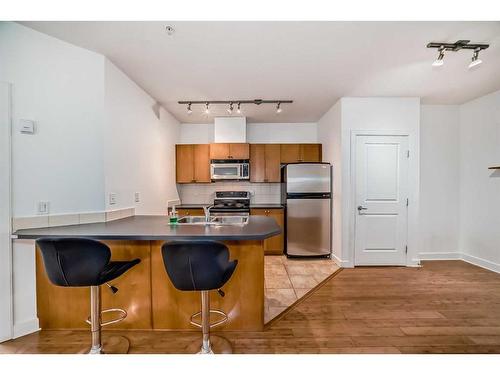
[123, 315]
[215, 324]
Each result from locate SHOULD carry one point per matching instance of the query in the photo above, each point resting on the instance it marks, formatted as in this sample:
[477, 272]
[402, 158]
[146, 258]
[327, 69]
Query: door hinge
[408, 153]
[406, 249]
[407, 202]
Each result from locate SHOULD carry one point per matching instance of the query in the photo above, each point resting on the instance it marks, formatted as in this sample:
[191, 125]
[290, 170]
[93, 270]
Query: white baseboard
[445, 255]
[455, 255]
[480, 262]
[25, 328]
[342, 263]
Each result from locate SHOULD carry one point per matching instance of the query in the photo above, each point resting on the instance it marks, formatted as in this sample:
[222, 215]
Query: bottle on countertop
[173, 216]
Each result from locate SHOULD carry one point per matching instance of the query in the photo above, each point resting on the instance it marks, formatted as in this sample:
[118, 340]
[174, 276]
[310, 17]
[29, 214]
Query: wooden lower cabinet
[190, 212]
[149, 297]
[273, 245]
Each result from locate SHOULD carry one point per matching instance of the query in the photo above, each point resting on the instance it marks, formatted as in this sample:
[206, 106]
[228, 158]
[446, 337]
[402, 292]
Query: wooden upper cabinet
[239, 151]
[290, 153]
[296, 153]
[310, 152]
[257, 163]
[229, 151]
[219, 150]
[184, 164]
[201, 163]
[265, 163]
[192, 163]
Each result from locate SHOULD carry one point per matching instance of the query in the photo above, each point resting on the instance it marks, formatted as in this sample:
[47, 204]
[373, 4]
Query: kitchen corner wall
[205, 193]
[89, 118]
[139, 147]
[256, 133]
[479, 234]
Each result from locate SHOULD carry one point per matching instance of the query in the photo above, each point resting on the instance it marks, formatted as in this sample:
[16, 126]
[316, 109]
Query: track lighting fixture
[278, 107]
[455, 47]
[231, 103]
[475, 59]
[440, 59]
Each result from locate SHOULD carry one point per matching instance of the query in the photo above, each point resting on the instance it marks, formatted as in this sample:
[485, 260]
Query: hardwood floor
[443, 307]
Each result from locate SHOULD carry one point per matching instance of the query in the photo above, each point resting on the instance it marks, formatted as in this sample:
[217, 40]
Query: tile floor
[287, 280]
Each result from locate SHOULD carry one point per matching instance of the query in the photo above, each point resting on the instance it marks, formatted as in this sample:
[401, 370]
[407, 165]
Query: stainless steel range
[231, 203]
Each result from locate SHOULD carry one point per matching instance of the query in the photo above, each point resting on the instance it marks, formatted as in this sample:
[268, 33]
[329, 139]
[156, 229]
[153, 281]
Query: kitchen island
[145, 291]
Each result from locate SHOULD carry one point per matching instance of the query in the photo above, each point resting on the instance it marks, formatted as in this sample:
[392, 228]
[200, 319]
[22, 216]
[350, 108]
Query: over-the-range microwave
[222, 169]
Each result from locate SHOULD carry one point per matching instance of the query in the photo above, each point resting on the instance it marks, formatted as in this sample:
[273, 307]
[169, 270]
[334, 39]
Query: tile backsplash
[205, 193]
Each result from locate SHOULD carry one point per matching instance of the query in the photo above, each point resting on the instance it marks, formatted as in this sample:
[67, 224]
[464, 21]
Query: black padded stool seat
[201, 266]
[197, 265]
[80, 262]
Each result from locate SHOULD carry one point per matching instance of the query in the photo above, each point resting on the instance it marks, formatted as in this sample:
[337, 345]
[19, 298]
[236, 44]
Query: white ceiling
[312, 63]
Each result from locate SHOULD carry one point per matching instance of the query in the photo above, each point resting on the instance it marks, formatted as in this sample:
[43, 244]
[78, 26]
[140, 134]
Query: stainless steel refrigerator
[306, 193]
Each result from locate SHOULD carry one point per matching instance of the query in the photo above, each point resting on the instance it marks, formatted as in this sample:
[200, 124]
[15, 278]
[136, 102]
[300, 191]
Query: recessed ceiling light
[170, 30]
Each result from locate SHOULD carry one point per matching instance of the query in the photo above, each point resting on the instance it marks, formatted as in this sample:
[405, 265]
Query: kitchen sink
[230, 220]
[192, 220]
[213, 220]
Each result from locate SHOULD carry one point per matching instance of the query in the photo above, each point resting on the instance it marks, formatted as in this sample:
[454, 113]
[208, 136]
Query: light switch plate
[27, 126]
[112, 198]
[137, 197]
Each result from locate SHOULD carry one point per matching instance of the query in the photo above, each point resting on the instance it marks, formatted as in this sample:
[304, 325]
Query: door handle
[361, 208]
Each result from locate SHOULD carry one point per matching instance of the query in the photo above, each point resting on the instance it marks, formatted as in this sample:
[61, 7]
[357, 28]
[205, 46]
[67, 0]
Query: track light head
[207, 109]
[238, 109]
[440, 59]
[230, 109]
[475, 59]
[278, 107]
[189, 110]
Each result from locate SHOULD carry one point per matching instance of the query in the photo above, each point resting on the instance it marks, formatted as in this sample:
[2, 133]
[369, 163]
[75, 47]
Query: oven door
[226, 171]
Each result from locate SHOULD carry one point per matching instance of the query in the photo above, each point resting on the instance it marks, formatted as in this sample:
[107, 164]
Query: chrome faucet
[206, 210]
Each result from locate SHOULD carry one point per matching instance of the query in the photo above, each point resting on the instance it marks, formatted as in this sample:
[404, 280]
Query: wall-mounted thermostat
[27, 126]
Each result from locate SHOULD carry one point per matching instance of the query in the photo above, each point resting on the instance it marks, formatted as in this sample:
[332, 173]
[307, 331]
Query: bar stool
[82, 262]
[201, 266]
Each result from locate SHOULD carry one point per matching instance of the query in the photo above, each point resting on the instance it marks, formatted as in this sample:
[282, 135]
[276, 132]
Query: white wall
[389, 115]
[60, 87]
[256, 133]
[5, 215]
[139, 153]
[439, 182]
[480, 187]
[96, 131]
[329, 134]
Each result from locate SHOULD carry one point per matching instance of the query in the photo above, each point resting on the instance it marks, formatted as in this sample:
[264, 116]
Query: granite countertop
[158, 228]
[253, 205]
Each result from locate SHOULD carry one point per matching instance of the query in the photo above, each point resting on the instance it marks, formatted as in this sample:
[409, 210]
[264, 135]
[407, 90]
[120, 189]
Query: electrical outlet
[43, 208]
[112, 198]
[137, 197]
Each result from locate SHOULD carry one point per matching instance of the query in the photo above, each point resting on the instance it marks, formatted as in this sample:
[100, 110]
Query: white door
[5, 225]
[381, 173]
